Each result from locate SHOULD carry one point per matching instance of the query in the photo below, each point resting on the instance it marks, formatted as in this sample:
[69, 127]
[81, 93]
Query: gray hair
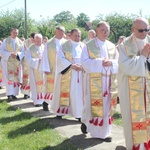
[75, 30]
[92, 31]
[102, 22]
[38, 35]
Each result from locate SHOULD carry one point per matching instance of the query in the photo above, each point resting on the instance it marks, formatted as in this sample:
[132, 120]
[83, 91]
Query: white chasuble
[133, 87]
[33, 57]
[70, 103]
[12, 66]
[100, 100]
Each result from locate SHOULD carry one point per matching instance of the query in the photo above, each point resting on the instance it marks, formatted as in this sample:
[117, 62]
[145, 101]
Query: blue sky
[39, 9]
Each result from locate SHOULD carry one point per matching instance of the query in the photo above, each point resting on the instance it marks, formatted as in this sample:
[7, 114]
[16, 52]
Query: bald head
[140, 27]
[140, 20]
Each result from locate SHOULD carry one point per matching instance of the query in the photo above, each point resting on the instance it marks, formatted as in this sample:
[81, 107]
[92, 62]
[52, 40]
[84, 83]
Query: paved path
[70, 127]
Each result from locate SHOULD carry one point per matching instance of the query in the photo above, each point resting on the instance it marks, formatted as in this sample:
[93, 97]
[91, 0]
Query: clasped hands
[107, 62]
[146, 51]
[47, 73]
[77, 67]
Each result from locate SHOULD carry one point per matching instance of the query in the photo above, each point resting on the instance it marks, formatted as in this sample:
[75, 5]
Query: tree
[120, 25]
[82, 19]
[13, 19]
[72, 25]
[46, 27]
[64, 16]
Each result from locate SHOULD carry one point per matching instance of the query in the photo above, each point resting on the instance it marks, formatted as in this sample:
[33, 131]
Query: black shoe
[10, 98]
[26, 96]
[59, 117]
[83, 128]
[118, 101]
[79, 119]
[45, 106]
[108, 139]
[14, 97]
[38, 105]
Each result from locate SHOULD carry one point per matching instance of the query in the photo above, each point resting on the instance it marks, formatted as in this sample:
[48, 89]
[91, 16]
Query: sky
[42, 9]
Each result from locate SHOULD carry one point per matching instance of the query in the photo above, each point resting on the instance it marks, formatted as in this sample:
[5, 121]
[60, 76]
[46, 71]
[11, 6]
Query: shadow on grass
[19, 117]
[1, 101]
[37, 125]
[117, 115]
[10, 108]
[80, 140]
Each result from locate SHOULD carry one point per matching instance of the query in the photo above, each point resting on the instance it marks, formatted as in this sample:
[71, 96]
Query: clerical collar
[140, 44]
[73, 42]
[13, 38]
[140, 40]
[98, 40]
[37, 46]
[58, 39]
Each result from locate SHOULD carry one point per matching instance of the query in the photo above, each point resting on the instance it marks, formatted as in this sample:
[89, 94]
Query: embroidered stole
[139, 94]
[37, 75]
[1, 78]
[66, 78]
[25, 78]
[49, 84]
[27, 43]
[96, 81]
[13, 64]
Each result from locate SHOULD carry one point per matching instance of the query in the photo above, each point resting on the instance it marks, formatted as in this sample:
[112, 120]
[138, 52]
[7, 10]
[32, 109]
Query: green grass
[117, 119]
[21, 131]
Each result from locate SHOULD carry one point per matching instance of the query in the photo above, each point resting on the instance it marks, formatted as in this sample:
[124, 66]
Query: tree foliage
[13, 19]
[46, 28]
[120, 24]
[70, 26]
[82, 19]
[64, 16]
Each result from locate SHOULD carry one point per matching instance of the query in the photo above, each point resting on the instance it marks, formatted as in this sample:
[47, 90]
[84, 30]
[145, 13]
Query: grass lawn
[117, 119]
[20, 131]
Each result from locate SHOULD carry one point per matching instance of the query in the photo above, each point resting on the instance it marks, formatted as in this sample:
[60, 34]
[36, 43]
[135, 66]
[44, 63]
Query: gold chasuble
[27, 43]
[25, 77]
[37, 75]
[1, 78]
[139, 94]
[96, 85]
[65, 80]
[49, 84]
[13, 65]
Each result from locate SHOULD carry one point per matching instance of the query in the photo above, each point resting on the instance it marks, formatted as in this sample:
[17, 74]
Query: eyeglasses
[105, 31]
[142, 30]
